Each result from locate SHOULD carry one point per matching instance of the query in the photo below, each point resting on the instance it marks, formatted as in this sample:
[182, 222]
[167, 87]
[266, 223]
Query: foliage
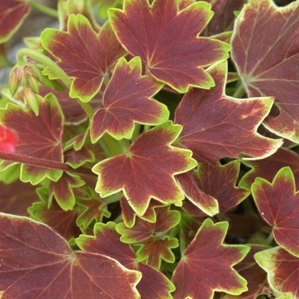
[149, 149]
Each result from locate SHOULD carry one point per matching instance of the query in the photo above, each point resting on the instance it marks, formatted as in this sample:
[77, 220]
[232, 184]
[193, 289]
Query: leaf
[265, 51]
[198, 274]
[282, 269]
[153, 250]
[62, 190]
[8, 140]
[217, 126]
[17, 197]
[37, 262]
[38, 137]
[143, 230]
[278, 204]
[268, 167]
[129, 216]
[254, 275]
[127, 100]
[64, 222]
[12, 15]
[77, 158]
[83, 54]
[106, 241]
[147, 170]
[224, 17]
[167, 40]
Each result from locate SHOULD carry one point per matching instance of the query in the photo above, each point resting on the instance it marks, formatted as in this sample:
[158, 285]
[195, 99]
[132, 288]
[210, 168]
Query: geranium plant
[149, 149]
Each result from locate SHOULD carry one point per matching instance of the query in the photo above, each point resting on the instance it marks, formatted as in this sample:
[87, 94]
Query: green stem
[112, 144]
[113, 198]
[239, 92]
[21, 60]
[136, 131]
[124, 145]
[44, 9]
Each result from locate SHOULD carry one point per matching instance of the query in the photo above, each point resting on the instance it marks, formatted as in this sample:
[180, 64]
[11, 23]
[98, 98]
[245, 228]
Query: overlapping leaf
[265, 50]
[217, 126]
[147, 170]
[167, 40]
[282, 269]
[106, 241]
[278, 204]
[268, 167]
[127, 100]
[143, 229]
[38, 137]
[129, 216]
[198, 275]
[154, 250]
[224, 15]
[64, 222]
[83, 54]
[255, 276]
[37, 262]
[12, 15]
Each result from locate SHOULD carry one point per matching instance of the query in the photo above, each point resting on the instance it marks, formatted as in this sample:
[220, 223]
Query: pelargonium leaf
[16, 197]
[36, 261]
[151, 163]
[268, 167]
[62, 190]
[129, 216]
[154, 250]
[203, 258]
[83, 54]
[167, 40]
[255, 276]
[127, 100]
[278, 204]
[224, 15]
[265, 50]
[64, 222]
[38, 137]
[12, 15]
[282, 269]
[217, 126]
[106, 241]
[142, 230]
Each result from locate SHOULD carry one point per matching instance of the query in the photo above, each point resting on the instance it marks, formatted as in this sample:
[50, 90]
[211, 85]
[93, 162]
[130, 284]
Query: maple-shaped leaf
[77, 158]
[167, 40]
[16, 197]
[62, 190]
[282, 269]
[154, 250]
[217, 126]
[147, 170]
[36, 261]
[214, 182]
[142, 230]
[224, 15]
[268, 167]
[127, 100]
[84, 55]
[278, 204]
[129, 216]
[8, 140]
[198, 273]
[64, 222]
[12, 15]
[106, 241]
[94, 209]
[255, 276]
[265, 50]
[38, 137]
